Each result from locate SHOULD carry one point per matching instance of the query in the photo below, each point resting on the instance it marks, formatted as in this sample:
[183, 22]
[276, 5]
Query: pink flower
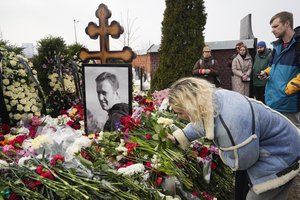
[148, 136]
[8, 150]
[35, 121]
[148, 165]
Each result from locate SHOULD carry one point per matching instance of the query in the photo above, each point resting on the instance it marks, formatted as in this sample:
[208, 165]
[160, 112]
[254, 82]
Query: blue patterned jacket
[268, 149]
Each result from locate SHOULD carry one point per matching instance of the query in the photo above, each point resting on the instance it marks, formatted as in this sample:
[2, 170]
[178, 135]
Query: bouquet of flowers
[20, 90]
[64, 79]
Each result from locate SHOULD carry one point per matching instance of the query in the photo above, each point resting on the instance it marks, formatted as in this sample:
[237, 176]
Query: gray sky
[27, 21]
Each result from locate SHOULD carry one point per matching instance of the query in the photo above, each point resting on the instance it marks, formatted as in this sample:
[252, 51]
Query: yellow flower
[37, 113]
[51, 84]
[20, 107]
[22, 72]
[13, 102]
[29, 103]
[14, 96]
[32, 89]
[9, 137]
[73, 112]
[23, 101]
[17, 84]
[33, 95]
[23, 81]
[15, 90]
[27, 108]
[5, 81]
[55, 75]
[8, 93]
[13, 63]
[8, 107]
[30, 115]
[33, 101]
[17, 116]
[21, 95]
[34, 109]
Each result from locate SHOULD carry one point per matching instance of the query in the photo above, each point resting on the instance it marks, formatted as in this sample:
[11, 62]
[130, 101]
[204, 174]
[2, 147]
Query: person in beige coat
[241, 69]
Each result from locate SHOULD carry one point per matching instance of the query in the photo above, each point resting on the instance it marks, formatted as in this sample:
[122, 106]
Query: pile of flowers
[52, 158]
[63, 84]
[20, 91]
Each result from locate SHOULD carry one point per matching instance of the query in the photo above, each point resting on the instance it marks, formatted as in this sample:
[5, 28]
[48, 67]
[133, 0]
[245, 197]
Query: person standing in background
[261, 62]
[241, 69]
[207, 68]
[283, 77]
[230, 59]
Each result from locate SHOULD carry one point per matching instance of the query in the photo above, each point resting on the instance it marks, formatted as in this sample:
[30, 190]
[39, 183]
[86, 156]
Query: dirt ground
[294, 193]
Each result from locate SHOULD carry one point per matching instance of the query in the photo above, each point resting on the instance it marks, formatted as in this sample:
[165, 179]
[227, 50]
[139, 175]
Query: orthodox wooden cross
[104, 30]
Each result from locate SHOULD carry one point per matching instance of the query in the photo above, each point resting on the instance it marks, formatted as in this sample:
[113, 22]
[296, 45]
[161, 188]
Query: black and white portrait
[107, 96]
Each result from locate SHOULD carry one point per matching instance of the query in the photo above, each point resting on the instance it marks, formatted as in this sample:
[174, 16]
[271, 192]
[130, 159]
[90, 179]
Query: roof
[217, 45]
[230, 44]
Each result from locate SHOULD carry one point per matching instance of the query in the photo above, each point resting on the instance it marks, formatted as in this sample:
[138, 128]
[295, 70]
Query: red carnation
[130, 146]
[32, 184]
[48, 175]
[195, 193]
[128, 122]
[213, 165]
[14, 196]
[40, 169]
[70, 123]
[148, 136]
[32, 132]
[203, 152]
[158, 181]
[57, 159]
[148, 165]
[18, 140]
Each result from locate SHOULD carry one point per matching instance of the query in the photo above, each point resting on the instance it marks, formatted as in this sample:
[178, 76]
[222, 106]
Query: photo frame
[99, 98]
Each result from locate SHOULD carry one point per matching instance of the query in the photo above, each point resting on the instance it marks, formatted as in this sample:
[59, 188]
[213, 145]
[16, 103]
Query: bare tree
[128, 38]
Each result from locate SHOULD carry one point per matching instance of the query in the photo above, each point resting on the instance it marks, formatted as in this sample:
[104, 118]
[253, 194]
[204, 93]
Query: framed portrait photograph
[107, 95]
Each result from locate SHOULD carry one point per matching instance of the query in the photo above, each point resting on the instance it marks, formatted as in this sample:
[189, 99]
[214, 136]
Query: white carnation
[132, 169]
[165, 121]
[39, 141]
[4, 164]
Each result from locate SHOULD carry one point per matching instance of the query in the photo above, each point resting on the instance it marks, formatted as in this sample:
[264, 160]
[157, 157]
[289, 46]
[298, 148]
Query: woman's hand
[245, 77]
[171, 138]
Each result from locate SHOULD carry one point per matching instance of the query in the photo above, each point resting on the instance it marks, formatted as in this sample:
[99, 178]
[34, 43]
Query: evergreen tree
[44, 62]
[182, 41]
[54, 73]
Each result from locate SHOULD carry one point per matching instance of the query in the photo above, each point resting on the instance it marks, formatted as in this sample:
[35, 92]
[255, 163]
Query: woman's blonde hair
[195, 96]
